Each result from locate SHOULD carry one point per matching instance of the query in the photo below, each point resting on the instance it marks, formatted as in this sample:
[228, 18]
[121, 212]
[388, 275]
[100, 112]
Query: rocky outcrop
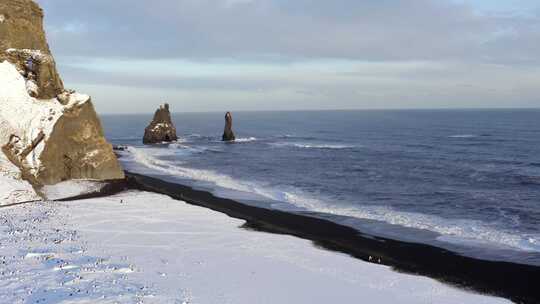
[23, 43]
[48, 133]
[51, 142]
[228, 134]
[161, 128]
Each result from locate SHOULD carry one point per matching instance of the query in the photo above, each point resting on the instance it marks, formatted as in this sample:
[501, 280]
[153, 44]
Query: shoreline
[492, 278]
[138, 246]
[505, 279]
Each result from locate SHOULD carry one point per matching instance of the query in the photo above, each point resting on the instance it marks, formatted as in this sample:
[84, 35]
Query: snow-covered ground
[139, 247]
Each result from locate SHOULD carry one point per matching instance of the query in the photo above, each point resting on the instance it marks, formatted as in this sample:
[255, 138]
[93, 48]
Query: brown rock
[228, 134]
[51, 140]
[76, 148]
[22, 37]
[161, 128]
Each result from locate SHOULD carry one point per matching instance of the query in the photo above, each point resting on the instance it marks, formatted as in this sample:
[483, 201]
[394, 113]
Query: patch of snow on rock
[25, 116]
[36, 54]
[32, 88]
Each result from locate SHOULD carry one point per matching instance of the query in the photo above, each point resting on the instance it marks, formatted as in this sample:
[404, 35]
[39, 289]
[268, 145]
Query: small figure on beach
[228, 134]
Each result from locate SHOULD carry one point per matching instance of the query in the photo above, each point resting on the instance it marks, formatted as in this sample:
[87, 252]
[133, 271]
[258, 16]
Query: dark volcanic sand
[510, 280]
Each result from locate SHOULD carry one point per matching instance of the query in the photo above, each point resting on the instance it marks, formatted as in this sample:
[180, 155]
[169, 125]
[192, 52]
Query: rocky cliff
[161, 128]
[50, 134]
[22, 37]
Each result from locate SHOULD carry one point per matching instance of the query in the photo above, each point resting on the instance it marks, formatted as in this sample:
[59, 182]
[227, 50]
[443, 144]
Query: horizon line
[336, 110]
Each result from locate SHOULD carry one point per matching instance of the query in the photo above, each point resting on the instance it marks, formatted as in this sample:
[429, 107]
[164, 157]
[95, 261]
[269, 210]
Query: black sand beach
[516, 282]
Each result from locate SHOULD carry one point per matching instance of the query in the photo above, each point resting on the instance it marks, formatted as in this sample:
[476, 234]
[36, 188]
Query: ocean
[463, 180]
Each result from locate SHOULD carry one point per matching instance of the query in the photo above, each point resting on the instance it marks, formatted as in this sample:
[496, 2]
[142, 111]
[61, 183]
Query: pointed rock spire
[228, 134]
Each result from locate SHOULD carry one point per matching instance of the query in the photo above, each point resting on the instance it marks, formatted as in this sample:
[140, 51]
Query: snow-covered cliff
[48, 133]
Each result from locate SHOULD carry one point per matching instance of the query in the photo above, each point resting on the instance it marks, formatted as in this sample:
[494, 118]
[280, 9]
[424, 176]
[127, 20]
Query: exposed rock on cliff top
[49, 134]
[161, 128]
[22, 38]
[228, 134]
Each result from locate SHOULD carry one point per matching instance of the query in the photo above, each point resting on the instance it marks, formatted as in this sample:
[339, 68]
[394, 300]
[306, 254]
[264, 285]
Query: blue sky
[218, 55]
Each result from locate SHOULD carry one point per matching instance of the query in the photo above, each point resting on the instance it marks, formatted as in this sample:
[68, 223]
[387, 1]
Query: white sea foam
[185, 147]
[158, 152]
[178, 145]
[221, 180]
[245, 139]
[457, 231]
[463, 136]
[312, 146]
[451, 230]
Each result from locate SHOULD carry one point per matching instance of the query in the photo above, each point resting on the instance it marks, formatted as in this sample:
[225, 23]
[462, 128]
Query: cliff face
[161, 128]
[22, 26]
[50, 134]
[22, 37]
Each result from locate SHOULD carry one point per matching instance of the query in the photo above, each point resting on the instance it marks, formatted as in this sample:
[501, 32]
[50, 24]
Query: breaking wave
[450, 230]
[463, 136]
[292, 136]
[312, 146]
[246, 139]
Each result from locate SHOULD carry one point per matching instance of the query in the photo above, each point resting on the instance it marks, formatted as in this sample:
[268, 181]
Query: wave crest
[245, 139]
[463, 136]
[313, 146]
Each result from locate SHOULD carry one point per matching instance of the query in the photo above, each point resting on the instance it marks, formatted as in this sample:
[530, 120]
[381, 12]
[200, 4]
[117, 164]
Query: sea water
[464, 180]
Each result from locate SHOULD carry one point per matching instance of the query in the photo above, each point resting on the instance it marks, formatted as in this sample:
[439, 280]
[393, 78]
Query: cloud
[208, 55]
[308, 85]
[263, 29]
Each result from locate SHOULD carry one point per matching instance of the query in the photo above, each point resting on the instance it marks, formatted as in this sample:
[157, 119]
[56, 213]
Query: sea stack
[228, 134]
[48, 133]
[161, 128]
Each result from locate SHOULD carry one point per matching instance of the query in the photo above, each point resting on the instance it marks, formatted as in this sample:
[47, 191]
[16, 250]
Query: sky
[245, 55]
